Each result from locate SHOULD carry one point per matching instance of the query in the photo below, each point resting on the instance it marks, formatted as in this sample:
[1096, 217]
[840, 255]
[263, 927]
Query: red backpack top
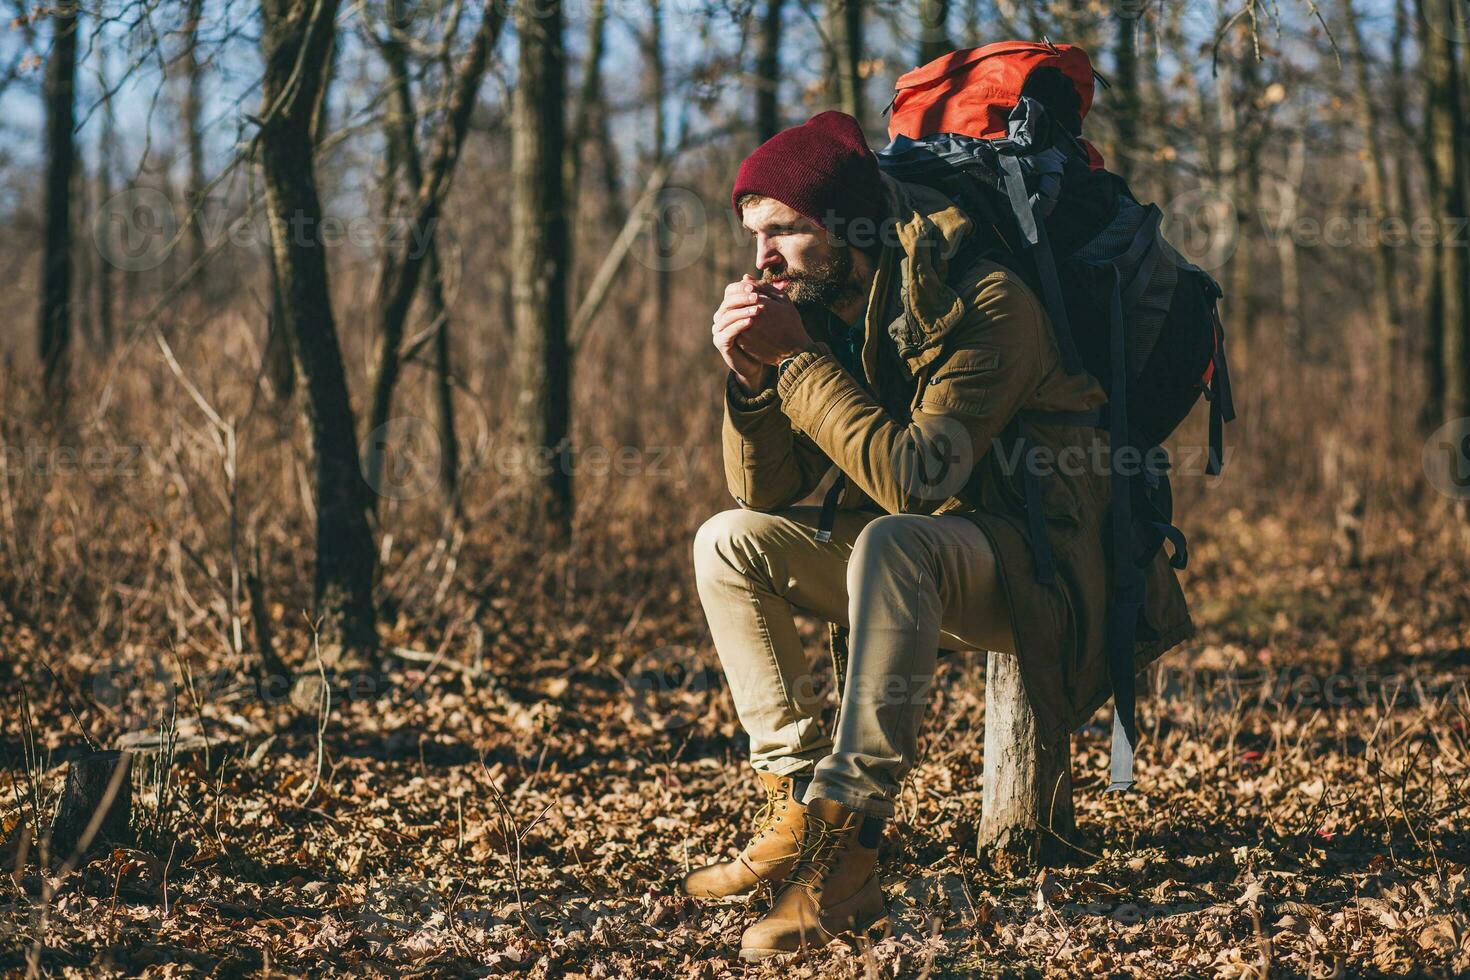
[972, 92]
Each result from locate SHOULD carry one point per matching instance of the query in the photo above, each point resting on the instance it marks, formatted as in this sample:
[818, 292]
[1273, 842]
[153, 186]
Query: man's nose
[767, 257]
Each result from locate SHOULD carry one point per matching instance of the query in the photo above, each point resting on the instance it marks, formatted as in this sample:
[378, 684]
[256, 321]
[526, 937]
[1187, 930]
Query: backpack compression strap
[1126, 602]
[1033, 231]
[1222, 403]
[1128, 582]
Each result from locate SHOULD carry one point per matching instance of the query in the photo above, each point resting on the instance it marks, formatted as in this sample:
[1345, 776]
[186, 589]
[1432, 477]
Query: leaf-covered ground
[525, 804]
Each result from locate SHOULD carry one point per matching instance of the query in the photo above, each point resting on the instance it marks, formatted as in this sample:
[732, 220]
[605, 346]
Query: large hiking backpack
[998, 130]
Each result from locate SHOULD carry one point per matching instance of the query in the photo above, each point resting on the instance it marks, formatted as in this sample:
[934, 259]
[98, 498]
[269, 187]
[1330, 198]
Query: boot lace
[765, 817]
[818, 848]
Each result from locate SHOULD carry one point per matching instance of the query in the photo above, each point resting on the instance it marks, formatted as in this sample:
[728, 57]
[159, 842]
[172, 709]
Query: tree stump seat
[1027, 816]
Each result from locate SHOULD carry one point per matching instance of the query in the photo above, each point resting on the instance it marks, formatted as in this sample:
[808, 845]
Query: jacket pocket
[961, 381]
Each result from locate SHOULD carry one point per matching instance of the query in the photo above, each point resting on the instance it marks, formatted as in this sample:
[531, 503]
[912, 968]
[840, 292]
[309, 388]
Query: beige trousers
[905, 584]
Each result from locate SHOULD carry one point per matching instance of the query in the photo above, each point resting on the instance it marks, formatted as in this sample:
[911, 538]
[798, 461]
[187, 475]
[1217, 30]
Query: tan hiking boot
[771, 852]
[832, 890]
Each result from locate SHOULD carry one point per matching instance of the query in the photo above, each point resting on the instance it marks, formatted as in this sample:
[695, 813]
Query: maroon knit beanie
[822, 169]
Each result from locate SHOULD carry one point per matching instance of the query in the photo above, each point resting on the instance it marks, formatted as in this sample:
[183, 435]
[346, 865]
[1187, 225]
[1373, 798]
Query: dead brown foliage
[522, 801]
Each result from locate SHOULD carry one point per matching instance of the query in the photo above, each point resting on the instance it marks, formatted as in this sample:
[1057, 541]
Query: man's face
[796, 255]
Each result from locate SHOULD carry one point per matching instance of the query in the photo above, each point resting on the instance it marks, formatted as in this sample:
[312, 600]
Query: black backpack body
[1125, 306]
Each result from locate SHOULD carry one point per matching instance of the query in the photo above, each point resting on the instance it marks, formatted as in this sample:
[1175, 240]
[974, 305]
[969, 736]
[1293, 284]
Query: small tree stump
[95, 783]
[1027, 817]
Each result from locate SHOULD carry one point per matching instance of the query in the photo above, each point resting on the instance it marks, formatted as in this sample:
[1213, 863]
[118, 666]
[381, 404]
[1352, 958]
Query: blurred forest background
[372, 337]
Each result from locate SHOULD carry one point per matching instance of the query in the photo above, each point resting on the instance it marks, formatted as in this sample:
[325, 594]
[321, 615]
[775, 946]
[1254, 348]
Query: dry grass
[524, 803]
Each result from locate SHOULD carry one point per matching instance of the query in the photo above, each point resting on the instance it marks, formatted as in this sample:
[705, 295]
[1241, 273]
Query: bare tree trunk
[1384, 278]
[539, 264]
[845, 26]
[1288, 197]
[1449, 387]
[56, 269]
[768, 74]
[401, 117]
[1027, 816]
[321, 113]
[443, 380]
[1243, 269]
[106, 141]
[98, 792]
[1401, 80]
[1156, 107]
[934, 25]
[279, 365]
[296, 38]
[1227, 163]
[612, 181]
[1431, 350]
[399, 275]
[193, 132]
[587, 102]
[1125, 95]
[658, 83]
[1405, 156]
[392, 301]
[1238, 177]
[84, 260]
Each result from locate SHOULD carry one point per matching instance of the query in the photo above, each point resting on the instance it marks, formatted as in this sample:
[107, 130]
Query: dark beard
[822, 286]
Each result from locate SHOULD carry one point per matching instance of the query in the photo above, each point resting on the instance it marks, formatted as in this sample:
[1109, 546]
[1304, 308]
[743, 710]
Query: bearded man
[881, 341]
